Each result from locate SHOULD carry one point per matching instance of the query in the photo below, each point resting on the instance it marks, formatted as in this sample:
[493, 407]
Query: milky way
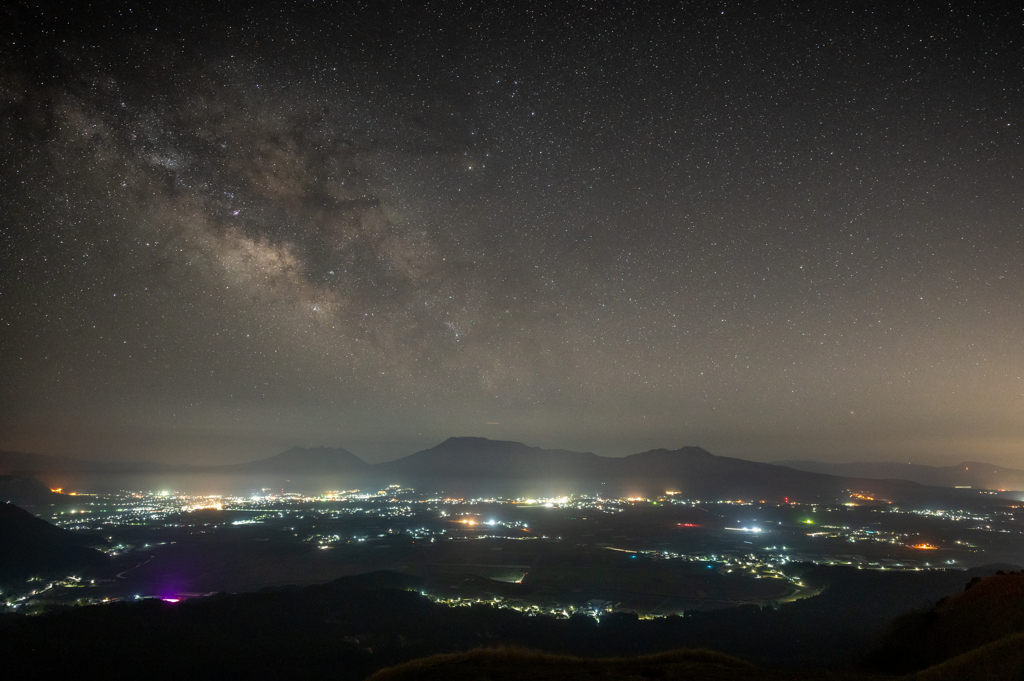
[774, 233]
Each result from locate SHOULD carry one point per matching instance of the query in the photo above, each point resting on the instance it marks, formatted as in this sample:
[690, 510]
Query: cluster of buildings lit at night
[397, 527]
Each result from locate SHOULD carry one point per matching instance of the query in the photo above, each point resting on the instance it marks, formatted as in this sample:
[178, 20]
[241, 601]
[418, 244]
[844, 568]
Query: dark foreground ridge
[975, 474]
[984, 624]
[26, 491]
[1002, 660]
[31, 546]
[356, 626]
[513, 664]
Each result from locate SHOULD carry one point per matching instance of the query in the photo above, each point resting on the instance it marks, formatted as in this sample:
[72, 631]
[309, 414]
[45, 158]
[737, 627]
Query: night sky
[774, 230]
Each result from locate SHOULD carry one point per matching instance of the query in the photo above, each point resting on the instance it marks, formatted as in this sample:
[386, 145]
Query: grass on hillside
[985, 612]
[515, 664]
[1001, 660]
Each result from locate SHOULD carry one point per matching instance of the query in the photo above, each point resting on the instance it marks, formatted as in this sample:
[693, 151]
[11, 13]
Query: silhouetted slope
[973, 473]
[1001, 660]
[693, 471]
[302, 461]
[25, 491]
[477, 457]
[31, 546]
[986, 611]
[356, 625]
[696, 473]
[514, 664]
[499, 466]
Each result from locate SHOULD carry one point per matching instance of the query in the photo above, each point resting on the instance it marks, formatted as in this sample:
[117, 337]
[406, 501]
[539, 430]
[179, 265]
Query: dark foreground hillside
[975, 635]
[31, 546]
[984, 622]
[1002, 660]
[355, 626]
[510, 664]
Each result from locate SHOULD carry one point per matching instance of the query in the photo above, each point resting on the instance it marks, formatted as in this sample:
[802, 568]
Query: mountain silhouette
[31, 546]
[693, 472]
[26, 491]
[471, 457]
[304, 461]
[973, 473]
[509, 467]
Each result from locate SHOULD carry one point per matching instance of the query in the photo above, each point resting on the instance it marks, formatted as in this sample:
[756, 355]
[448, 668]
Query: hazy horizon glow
[773, 233]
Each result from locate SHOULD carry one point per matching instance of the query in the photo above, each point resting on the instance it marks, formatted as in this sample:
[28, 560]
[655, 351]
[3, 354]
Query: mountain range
[464, 464]
[330, 461]
[973, 474]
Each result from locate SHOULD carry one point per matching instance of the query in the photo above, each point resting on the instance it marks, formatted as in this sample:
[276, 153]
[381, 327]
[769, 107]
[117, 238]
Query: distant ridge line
[968, 473]
[691, 470]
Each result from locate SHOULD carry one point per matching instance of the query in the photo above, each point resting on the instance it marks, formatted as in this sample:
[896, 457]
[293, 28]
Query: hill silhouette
[326, 461]
[355, 626]
[974, 473]
[31, 546]
[998, 661]
[692, 471]
[989, 610]
[1001, 660]
[469, 457]
[501, 467]
[696, 473]
[25, 491]
[512, 664]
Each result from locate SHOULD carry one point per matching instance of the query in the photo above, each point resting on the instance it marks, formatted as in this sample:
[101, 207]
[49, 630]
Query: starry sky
[774, 230]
